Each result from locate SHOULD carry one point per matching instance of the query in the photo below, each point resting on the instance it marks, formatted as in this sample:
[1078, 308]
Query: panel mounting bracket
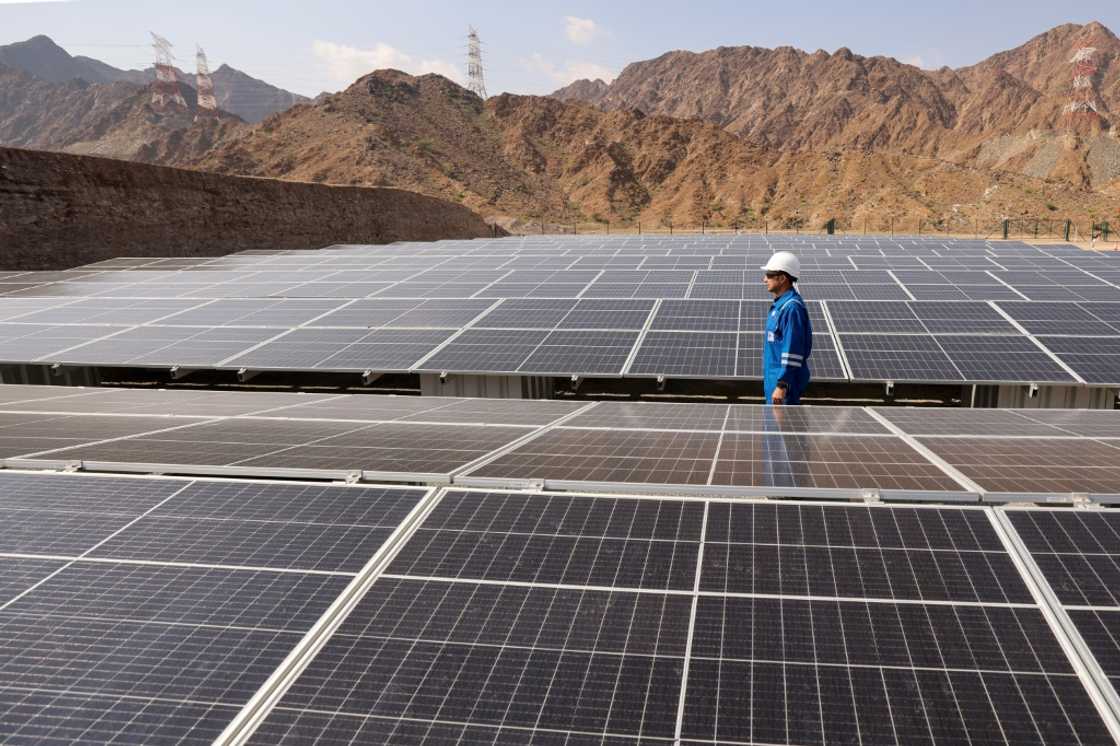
[575, 382]
[56, 369]
[368, 377]
[443, 377]
[533, 485]
[871, 497]
[244, 375]
[1081, 500]
[1032, 391]
[661, 383]
[178, 372]
[889, 389]
[72, 466]
[353, 477]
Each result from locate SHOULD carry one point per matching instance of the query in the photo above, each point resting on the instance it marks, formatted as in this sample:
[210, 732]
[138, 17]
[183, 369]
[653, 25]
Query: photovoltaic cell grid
[114, 629]
[994, 455]
[513, 618]
[404, 308]
[1078, 554]
[308, 445]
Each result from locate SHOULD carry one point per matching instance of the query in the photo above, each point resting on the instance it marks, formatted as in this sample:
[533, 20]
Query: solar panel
[879, 317]
[824, 361]
[897, 357]
[224, 597]
[264, 446]
[652, 415]
[1057, 318]
[636, 457]
[696, 354]
[1078, 556]
[608, 314]
[485, 350]
[564, 352]
[20, 574]
[521, 635]
[517, 313]
[993, 422]
[1095, 359]
[1033, 465]
[822, 462]
[100, 650]
[1088, 423]
[992, 358]
[956, 318]
[421, 286]
[168, 346]
[23, 433]
[697, 315]
[849, 420]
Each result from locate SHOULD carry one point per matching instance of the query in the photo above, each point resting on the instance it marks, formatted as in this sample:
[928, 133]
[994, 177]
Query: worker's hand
[779, 396]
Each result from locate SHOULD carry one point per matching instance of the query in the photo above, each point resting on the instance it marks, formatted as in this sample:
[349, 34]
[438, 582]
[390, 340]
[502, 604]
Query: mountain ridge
[523, 158]
[237, 92]
[790, 99]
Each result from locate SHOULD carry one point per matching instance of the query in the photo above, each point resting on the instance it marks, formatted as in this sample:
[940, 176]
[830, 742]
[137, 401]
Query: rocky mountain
[528, 157]
[249, 98]
[35, 113]
[134, 127]
[1005, 112]
[113, 120]
[583, 91]
[238, 93]
[750, 137]
[389, 129]
[45, 60]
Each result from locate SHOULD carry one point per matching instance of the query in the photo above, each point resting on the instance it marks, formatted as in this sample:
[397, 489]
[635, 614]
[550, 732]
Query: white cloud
[563, 75]
[345, 64]
[581, 31]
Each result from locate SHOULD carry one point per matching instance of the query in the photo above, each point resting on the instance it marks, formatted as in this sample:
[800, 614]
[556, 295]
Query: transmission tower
[165, 91]
[476, 81]
[207, 103]
[1082, 106]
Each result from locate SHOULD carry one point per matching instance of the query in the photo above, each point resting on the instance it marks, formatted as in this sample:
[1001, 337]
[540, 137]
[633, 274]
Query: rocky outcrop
[59, 211]
[793, 100]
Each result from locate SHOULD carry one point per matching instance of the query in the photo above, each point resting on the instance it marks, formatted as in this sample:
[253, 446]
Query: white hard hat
[784, 261]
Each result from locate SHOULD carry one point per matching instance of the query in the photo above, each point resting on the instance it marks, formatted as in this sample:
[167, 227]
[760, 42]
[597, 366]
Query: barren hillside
[524, 156]
[1004, 112]
[238, 93]
[58, 211]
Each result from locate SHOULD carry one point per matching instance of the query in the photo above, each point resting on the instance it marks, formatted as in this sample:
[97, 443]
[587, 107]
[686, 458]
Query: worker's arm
[795, 341]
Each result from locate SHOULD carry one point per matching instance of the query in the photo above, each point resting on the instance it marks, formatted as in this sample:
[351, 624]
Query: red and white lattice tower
[1082, 106]
[476, 82]
[165, 91]
[207, 103]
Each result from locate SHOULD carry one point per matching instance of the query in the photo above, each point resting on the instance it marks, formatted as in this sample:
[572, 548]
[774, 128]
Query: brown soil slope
[59, 211]
[524, 156]
[1003, 112]
[389, 129]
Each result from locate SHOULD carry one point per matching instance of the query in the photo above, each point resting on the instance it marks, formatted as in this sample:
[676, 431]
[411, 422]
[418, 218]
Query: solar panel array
[149, 610]
[186, 610]
[706, 449]
[921, 310]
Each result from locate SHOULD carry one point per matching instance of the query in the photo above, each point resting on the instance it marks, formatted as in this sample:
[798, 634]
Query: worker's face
[775, 282]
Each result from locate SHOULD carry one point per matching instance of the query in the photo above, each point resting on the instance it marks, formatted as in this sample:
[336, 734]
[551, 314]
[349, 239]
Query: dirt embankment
[59, 211]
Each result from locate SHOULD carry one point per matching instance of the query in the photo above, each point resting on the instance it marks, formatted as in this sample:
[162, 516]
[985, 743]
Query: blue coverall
[786, 348]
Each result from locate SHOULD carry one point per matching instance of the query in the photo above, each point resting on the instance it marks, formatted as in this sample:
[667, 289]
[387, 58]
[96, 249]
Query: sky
[309, 47]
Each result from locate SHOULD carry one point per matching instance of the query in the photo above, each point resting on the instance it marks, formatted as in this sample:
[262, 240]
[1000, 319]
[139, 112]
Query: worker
[789, 334]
